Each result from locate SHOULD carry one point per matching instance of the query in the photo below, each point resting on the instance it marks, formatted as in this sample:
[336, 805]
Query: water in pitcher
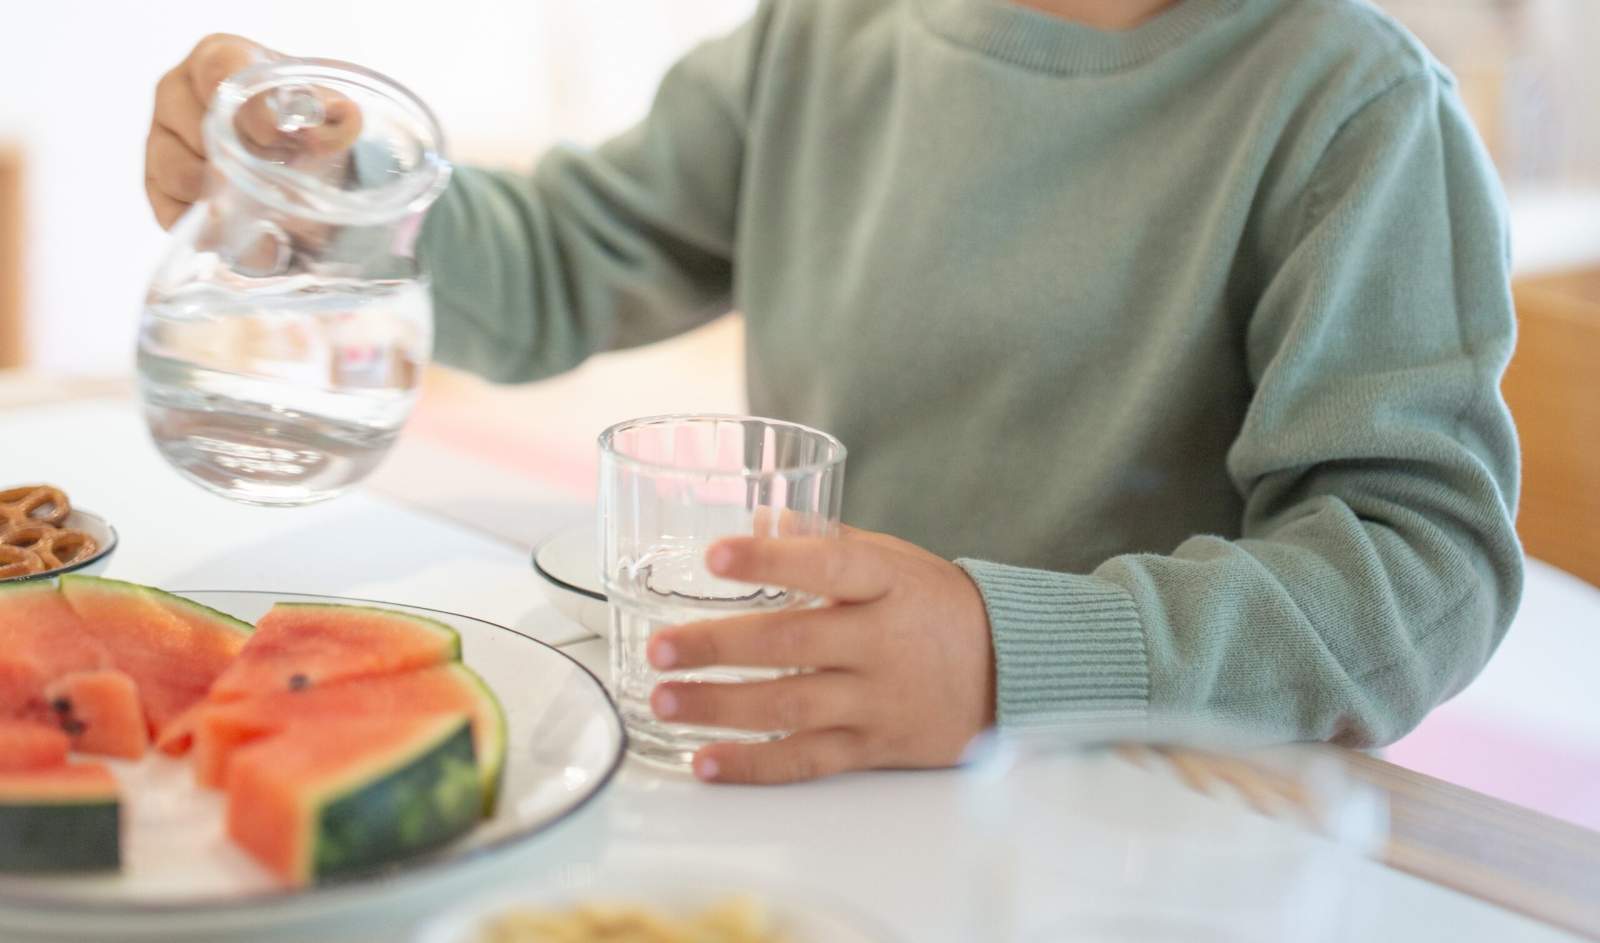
[665, 587]
[287, 395]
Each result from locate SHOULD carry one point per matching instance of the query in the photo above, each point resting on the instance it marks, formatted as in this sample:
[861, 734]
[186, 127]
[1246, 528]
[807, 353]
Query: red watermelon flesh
[302, 645]
[178, 735]
[25, 746]
[41, 638]
[100, 712]
[172, 661]
[58, 783]
[220, 730]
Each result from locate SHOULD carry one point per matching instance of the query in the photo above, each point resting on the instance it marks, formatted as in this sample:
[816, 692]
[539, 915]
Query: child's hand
[175, 152]
[175, 159]
[904, 669]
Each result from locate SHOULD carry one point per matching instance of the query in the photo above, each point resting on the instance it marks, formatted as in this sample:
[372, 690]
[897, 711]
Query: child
[1177, 324]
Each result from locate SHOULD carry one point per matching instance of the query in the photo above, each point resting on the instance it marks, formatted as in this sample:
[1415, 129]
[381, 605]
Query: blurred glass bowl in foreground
[1171, 831]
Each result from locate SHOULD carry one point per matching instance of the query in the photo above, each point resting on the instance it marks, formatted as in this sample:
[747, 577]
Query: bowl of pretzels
[43, 536]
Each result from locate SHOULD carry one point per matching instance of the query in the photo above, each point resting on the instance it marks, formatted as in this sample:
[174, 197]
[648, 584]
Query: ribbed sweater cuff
[1068, 649]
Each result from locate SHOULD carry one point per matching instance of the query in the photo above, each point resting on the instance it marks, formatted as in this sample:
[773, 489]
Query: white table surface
[889, 842]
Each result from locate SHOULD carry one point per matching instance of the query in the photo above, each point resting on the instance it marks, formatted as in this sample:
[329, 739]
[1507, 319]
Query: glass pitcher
[286, 331]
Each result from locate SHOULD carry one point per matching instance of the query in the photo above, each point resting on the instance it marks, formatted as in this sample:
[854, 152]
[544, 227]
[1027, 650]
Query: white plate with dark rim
[180, 875]
[569, 565]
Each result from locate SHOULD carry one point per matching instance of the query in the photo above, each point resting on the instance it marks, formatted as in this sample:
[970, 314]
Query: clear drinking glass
[670, 486]
[286, 330]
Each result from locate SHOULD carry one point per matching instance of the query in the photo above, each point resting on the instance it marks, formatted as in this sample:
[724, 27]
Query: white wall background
[77, 78]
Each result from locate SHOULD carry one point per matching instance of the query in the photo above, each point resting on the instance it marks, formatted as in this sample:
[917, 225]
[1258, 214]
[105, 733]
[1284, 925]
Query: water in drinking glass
[669, 585]
[285, 394]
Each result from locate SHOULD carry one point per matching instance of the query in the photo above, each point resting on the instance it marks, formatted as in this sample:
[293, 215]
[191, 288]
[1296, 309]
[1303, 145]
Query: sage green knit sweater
[1186, 340]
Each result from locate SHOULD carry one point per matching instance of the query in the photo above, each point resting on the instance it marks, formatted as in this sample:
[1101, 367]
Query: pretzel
[26, 536]
[21, 506]
[15, 561]
[56, 546]
[66, 547]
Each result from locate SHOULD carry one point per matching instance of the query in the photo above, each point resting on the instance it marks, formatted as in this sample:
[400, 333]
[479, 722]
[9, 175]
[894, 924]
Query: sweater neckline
[1037, 40]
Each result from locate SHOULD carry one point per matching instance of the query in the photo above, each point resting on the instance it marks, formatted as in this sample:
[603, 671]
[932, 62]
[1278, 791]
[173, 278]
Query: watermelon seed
[61, 705]
[74, 727]
[298, 682]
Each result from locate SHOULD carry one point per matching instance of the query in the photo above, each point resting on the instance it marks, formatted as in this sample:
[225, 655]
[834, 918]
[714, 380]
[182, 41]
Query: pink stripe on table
[552, 462]
[1520, 766]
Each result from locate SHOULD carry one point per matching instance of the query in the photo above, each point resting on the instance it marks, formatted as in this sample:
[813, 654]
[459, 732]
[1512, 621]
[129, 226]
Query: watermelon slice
[100, 711]
[171, 658]
[60, 818]
[41, 638]
[346, 796]
[220, 730]
[300, 645]
[30, 746]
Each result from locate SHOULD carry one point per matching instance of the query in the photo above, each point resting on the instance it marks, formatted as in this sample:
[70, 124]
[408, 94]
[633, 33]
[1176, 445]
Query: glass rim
[245, 171]
[608, 450]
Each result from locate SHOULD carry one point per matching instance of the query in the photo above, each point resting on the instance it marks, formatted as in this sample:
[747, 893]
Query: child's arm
[595, 250]
[1378, 566]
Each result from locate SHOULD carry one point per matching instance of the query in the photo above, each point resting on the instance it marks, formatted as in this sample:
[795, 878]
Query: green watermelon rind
[337, 608]
[8, 588]
[73, 581]
[59, 836]
[493, 767]
[399, 805]
[41, 833]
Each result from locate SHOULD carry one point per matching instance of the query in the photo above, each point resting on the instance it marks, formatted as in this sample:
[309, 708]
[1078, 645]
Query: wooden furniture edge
[13, 347]
[1499, 852]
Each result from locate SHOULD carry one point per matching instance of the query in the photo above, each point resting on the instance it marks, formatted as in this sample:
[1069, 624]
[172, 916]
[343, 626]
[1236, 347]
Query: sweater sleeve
[1377, 566]
[594, 250]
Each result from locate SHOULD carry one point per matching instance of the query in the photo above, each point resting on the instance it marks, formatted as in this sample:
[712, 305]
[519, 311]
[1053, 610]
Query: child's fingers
[819, 701]
[171, 168]
[341, 125]
[333, 123]
[829, 637]
[847, 570]
[793, 759]
[782, 522]
[768, 522]
[180, 112]
[168, 210]
[218, 56]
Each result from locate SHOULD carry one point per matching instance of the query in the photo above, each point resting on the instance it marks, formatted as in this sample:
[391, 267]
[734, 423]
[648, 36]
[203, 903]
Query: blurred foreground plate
[795, 916]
